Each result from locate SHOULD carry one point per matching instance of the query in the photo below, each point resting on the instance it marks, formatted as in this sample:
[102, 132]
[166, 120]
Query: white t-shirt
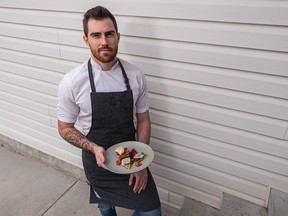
[74, 101]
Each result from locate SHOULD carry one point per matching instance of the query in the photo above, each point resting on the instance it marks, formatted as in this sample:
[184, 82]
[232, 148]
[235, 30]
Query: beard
[104, 57]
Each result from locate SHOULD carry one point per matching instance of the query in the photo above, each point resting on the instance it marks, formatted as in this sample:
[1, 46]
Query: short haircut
[97, 13]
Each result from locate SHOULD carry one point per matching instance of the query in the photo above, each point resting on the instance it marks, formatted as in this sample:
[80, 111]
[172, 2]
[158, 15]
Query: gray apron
[112, 123]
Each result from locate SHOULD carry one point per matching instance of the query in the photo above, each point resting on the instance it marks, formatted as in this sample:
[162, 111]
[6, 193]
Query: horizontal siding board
[203, 152]
[44, 18]
[219, 178]
[256, 104]
[261, 84]
[26, 113]
[226, 117]
[214, 161]
[28, 46]
[52, 5]
[71, 38]
[28, 94]
[259, 12]
[53, 64]
[226, 34]
[225, 150]
[42, 75]
[217, 56]
[29, 32]
[247, 140]
[30, 124]
[30, 84]
[10, 97]
[74, 53]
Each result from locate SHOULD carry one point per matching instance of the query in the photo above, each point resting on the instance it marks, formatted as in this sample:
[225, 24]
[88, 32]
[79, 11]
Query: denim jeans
[109, 210]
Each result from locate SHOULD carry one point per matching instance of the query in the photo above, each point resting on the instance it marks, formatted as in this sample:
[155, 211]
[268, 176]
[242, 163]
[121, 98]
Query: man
[108, 96]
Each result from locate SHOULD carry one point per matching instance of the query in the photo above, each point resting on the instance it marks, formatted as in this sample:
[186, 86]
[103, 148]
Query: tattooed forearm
[77, 139]
[73, 137]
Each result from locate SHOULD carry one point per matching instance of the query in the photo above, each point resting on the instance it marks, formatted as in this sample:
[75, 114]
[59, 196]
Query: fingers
[140, 181]
[100, 156]
[138, 188]
[131, 179]
[100, 159]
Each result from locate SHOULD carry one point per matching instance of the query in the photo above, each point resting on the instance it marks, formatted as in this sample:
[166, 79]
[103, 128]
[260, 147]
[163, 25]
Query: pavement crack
[63, 194]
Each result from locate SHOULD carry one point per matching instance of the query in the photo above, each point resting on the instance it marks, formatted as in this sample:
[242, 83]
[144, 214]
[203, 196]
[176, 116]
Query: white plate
[111, 157]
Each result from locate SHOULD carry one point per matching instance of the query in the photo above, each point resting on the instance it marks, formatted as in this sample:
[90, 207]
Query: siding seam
[58, 42]
[285, 134]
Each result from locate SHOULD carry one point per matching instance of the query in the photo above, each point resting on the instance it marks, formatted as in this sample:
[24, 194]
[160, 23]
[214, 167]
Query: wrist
[95, 148]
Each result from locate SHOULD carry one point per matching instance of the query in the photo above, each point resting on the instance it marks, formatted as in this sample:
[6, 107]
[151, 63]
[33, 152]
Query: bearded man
[108, 96]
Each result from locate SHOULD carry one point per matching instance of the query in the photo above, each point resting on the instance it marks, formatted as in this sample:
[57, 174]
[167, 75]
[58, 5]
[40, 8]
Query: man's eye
[110, 34]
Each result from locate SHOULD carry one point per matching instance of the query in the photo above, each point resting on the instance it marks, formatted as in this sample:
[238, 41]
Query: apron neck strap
[126, 80]
[93, 89]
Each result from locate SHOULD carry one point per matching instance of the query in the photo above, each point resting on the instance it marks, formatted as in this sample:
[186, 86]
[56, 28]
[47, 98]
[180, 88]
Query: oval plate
[110, 161]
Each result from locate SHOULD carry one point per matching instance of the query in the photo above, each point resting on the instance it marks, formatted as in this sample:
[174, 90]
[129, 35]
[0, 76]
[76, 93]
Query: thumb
[100, 158]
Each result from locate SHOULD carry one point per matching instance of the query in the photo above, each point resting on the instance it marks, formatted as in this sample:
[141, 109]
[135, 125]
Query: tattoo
[77, 139]
[87, 145]
[73, 137]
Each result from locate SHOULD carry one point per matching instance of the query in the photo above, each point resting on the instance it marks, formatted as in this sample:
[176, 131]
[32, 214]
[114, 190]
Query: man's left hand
[141, 179]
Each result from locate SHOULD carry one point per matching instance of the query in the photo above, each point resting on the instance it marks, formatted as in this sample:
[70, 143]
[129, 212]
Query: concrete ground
[31, 188]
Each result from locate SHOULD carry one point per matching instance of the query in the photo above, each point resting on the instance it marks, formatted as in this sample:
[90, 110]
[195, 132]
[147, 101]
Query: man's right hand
[99, 155]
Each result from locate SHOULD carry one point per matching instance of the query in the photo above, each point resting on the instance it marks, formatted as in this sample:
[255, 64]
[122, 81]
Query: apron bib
[112, 123]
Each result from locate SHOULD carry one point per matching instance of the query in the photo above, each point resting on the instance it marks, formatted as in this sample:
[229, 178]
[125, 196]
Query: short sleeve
[142, 104]
[67, 109]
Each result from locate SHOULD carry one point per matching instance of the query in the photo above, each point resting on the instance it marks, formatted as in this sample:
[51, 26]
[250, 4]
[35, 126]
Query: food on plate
[126, 158]
[138, 163]
[138, 156]
[120, 150]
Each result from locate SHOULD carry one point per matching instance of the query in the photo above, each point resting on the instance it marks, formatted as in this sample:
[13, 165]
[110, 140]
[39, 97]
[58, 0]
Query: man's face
[102, 40]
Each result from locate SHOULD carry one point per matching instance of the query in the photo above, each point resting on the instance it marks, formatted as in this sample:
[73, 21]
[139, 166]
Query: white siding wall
[218, 79]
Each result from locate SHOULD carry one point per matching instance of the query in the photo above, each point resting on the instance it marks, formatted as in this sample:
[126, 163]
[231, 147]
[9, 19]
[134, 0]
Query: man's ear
[85, 40]
[118, 35]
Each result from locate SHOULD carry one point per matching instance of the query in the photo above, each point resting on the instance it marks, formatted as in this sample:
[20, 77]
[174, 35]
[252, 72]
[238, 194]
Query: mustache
[105, 47]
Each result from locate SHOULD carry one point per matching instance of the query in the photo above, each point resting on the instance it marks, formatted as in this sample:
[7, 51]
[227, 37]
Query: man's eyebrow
[97, 33]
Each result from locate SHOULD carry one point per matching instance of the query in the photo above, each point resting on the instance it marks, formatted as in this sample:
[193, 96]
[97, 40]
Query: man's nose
[104, 39]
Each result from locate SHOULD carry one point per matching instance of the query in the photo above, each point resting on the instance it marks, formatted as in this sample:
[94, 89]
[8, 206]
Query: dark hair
[97, 13]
